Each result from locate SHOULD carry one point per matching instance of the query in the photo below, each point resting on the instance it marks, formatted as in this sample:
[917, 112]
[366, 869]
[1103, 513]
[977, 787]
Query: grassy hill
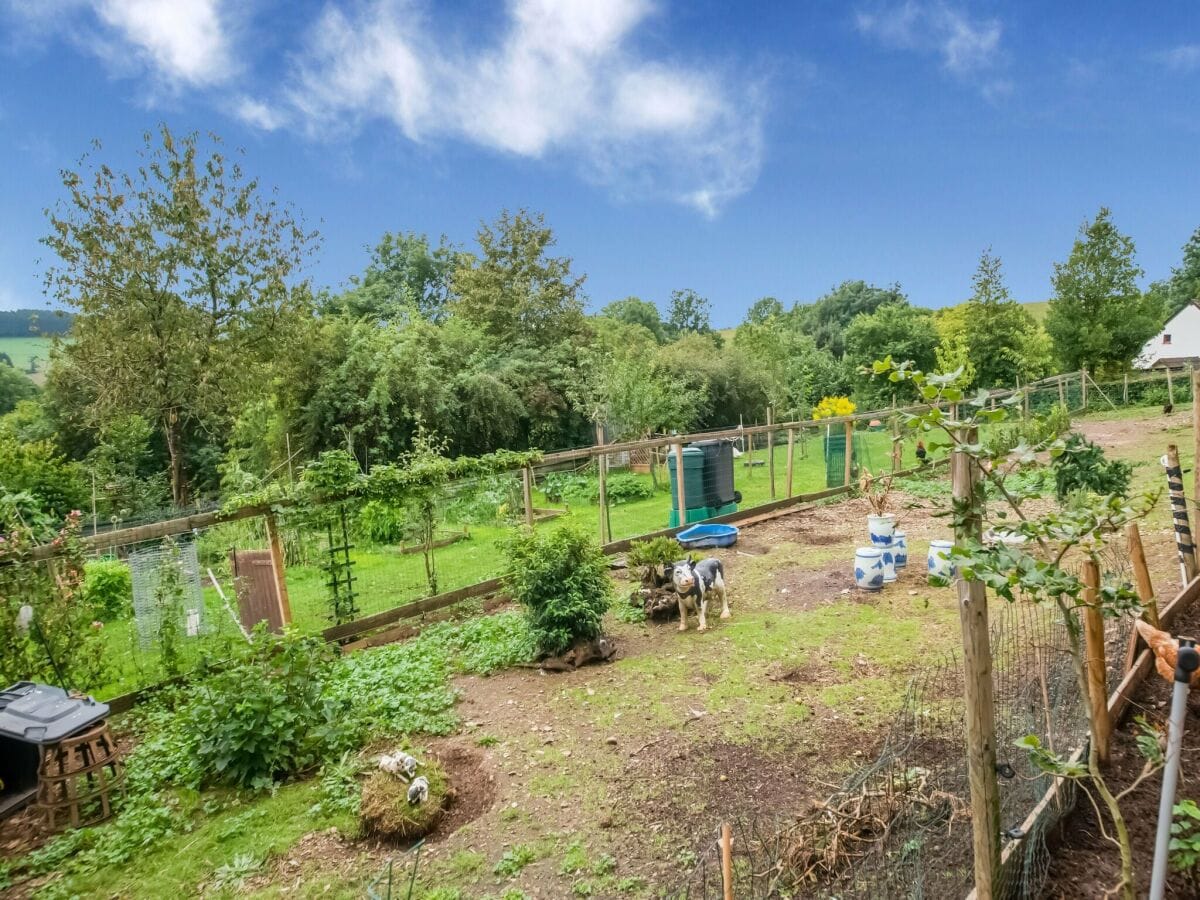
[23, 349]
[1038, 309]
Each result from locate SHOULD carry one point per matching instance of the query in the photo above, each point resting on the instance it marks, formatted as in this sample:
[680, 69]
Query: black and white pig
[694, 581]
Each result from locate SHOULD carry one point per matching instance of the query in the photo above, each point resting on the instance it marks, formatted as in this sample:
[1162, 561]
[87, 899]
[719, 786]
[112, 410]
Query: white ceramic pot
[881, 528]
[941, 567]
[888, 554]
[900, 548]
[868, 568]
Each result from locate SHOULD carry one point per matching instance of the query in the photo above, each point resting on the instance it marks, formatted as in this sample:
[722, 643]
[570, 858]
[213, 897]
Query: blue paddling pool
[708, 536]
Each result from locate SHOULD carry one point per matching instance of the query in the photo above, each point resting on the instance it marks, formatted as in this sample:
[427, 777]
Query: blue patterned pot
[900, 549]
[888, 554]
[868, 568]
[880, 529]
[941, 568]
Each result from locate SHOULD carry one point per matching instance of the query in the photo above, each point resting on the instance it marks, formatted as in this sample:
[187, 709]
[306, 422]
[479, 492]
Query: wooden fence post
[727, 861]
[1097, 670]
[1125, 391]
[849, 450]
[602, 469]
[1062, 392]
[771, 450]
[680, 492]
[278, 570]
[1179, 513]
[980, 704]
[527, 493]
[1083, 400]
[1196, 436]
[1141, 574]
[791, 453]
[1170, 387]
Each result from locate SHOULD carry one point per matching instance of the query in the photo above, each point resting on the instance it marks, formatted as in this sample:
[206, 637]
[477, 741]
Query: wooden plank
[1145, 591]
[410, 629]
[977, 677]
[602, 467]
[395, 614]
[1097, 668]
[278, 569]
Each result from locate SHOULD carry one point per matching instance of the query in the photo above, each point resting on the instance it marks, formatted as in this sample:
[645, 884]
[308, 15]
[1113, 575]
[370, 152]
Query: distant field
[1038, 309]
[21, 349]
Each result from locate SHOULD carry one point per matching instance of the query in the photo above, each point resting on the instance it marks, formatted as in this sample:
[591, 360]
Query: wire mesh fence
[900, 826]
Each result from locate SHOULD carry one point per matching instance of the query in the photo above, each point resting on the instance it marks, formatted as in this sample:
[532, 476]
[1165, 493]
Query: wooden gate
[256, 587]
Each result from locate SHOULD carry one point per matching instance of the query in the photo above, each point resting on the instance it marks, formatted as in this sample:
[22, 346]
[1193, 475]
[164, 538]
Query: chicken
[1165, 649]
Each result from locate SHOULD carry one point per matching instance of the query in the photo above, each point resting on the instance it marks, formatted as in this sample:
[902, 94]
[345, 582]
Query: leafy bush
[267, 714]
[1082, 466]
[108, 588]
[573, 487]
[561, 578]
[651, 555]
[485, 500]
[1185, 840]
[380, 523]
[1035, 430]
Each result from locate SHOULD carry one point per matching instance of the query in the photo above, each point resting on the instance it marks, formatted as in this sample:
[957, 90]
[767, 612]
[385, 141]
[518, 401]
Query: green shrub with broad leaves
[108, 589]
[1082, 466]
[268, 714]
[561, 578]
[652, 555]
[380, 523]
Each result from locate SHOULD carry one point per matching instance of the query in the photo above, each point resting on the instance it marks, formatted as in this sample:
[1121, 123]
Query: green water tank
[693, 478]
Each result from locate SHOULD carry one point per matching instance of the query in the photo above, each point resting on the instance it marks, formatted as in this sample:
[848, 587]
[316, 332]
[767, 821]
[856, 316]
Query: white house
[1178, 344]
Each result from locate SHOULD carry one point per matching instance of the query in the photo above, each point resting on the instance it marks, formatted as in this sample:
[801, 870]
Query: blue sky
[739, 149]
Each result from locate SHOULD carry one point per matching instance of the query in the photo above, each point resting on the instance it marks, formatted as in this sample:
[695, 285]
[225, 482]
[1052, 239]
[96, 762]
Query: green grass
[178, 868]
[21, 349]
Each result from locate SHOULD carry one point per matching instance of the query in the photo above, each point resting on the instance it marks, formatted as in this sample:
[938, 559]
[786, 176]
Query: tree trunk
[174, 437]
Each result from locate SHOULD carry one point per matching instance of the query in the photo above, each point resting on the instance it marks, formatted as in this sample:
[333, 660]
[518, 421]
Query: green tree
[403, 274]
[14, 387]
[1098, 319]
[764, 310]
[514, 291]
[827, 319]
[635, 311]
[794, 372]
[688, 313]
[1183, 287]
[178, 275]
[1003, 342]
[896, 330]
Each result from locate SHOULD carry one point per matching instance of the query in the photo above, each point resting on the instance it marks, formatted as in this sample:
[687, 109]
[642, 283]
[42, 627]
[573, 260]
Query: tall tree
[403, 274]
[688, 313]
[1098, 319]
[514, 291]
[178, 274]
[894, 329]
[636, 311]
[1002, 339]
[827, 319]
[1183, 287]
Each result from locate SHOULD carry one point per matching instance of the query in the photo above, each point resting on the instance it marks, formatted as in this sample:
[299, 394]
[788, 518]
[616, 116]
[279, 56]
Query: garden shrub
[1185, 841]
[651, 555]
[573, 487]
[1082, 466]
[380, 523]
[561, 578]
[108, 589]
[625, 487]
[267, 715]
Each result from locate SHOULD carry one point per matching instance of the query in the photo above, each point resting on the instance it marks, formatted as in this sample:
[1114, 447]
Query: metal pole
[1186, 663]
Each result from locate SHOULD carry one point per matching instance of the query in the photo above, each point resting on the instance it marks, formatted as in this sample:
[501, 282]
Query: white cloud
[561, 81]
[259, 114]
[968, 47]
[184, 42]
[1184, 58]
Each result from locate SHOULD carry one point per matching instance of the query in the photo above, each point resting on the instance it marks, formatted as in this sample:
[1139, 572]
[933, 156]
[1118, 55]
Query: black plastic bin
[718, 473]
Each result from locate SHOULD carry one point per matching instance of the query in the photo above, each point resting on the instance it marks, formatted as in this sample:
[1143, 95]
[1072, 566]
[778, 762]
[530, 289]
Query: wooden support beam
[1062, 393]
[1083, 389]
[791, 453]
[1170, 388]
[1179, 514]
[771, 451]
[527, 494]
[1145, 590]
[980, 703]
[1097, 670]
[1125, 392]
[602, 469]
[278, 569]
[849, 452]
